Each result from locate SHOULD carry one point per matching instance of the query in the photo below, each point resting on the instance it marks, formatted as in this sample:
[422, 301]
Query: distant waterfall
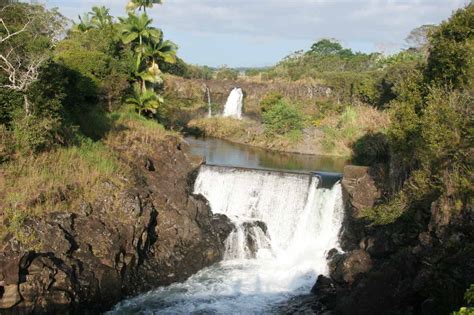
[233, 106]
[208, 93]
[284, 227]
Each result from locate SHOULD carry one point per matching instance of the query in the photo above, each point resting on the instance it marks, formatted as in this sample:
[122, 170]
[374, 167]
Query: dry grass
[340, 131]
[222, 127]
[65, 178]
[53, 180]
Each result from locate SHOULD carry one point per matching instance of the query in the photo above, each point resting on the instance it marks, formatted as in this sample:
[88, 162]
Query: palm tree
[137, 30]
[100, 17]
[144, 101]
[139, 4]
[84, 24]
[164, 50]
[144, 73]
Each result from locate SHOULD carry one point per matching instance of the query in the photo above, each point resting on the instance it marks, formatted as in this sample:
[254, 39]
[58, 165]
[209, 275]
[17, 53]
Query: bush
[469, 297]
[371, 149]
[452, 51]
[282, 118]
[6, 144]
[269, 100]
[34, 134]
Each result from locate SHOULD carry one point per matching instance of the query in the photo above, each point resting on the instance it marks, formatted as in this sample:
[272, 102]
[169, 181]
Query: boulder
[345, 267]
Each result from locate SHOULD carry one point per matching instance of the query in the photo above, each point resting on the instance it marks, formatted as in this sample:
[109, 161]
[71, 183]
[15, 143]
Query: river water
[221, 152]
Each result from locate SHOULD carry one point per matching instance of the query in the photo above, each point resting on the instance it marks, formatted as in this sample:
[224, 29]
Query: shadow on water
[221, 152]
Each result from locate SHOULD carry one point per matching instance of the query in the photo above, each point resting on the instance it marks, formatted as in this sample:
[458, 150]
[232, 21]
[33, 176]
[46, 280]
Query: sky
[257, 33]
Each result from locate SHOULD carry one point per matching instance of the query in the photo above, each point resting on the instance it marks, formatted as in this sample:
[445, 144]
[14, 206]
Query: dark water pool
[221, 152]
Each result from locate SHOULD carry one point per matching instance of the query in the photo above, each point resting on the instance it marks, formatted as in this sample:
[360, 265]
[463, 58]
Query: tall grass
[53, 179]
[342, 130]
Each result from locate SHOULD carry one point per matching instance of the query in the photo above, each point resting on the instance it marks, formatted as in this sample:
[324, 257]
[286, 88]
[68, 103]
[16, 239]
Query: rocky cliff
[421, 264]
[219, 90]
[151, 232]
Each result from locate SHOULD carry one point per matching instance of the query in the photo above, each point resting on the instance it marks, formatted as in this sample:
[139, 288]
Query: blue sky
[262, 32]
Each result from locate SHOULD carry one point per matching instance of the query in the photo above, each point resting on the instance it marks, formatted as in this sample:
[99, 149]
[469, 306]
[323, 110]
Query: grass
[37, 180]
[65, 177]
[340, 131]
[223, 127]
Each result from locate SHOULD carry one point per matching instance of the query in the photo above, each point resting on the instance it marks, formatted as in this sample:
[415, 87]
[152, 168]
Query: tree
[450, 61]
[144, 101]
[27, 34]
[327, 47]
[137, 31]
[139, 4]
[419, 37]
[100, 17]
[84, 25]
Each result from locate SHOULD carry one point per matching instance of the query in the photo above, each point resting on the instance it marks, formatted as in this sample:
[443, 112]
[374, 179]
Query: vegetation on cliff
[61, 104]
[430, 137]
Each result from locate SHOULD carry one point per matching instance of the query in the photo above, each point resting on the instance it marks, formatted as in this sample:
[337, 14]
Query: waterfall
[208, 93]
[233, 106]
[285, 224]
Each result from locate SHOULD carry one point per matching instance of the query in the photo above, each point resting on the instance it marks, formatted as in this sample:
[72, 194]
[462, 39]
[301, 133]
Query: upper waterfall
[233, 106]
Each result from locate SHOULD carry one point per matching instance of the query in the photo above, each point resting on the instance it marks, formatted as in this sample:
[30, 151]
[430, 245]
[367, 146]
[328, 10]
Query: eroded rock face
[151, 233]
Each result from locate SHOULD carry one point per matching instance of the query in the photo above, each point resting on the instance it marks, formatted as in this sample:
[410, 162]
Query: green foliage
[469, 297]
[141, 4]
[282, 118]
[227, 74]
[351, 86]
[145, 101]
[371, 149]
[402, 80]
[6, 144]
[450, 62]
[330, 47]
[34, 134]
[388, 212]
[269, 100]
[430, 137]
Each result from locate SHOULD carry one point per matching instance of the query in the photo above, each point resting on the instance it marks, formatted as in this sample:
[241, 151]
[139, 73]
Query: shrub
[282, 118]
[34, 134]
[452, 51]
[469, 297]
[269, 100]
[6, 144]
[371, 149]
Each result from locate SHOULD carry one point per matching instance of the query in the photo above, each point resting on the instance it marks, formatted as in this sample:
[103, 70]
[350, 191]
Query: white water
[233, 106]
[303, 225]
[209, 107]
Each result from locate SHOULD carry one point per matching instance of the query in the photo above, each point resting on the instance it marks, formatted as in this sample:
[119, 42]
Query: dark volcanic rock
[152, 232]
[345, 267]
[417, 265]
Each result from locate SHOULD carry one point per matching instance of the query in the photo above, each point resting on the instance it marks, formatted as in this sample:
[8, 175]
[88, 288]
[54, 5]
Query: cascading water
[233, 106]
[209, 107]
[284, 227]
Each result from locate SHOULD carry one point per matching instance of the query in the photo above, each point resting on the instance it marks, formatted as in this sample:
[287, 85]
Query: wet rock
[223, 225]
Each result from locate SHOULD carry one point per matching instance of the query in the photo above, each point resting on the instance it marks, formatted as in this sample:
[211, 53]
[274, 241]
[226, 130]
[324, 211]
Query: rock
[361, 186]
[223, 225]
[344, 268]
[256, 233]
[9, 296]
[151, 231]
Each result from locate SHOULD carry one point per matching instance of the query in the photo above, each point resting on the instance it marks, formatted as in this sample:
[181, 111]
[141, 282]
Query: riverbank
[333, 135]
[94, 223]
